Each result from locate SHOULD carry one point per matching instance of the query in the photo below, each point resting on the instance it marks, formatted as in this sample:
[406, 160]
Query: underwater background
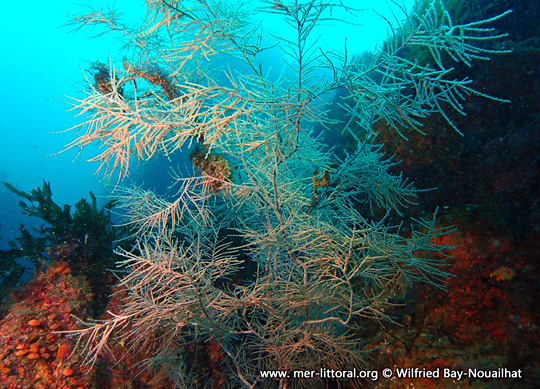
[42, 63]
[485, 183]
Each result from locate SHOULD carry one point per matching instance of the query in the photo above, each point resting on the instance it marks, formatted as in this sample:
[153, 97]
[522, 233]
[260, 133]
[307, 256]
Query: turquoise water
[42, 62]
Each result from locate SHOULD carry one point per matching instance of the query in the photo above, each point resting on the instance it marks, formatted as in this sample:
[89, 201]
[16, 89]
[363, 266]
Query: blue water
[41, 63]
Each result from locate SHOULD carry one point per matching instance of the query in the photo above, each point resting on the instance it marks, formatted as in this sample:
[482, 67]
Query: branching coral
[292, 207]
